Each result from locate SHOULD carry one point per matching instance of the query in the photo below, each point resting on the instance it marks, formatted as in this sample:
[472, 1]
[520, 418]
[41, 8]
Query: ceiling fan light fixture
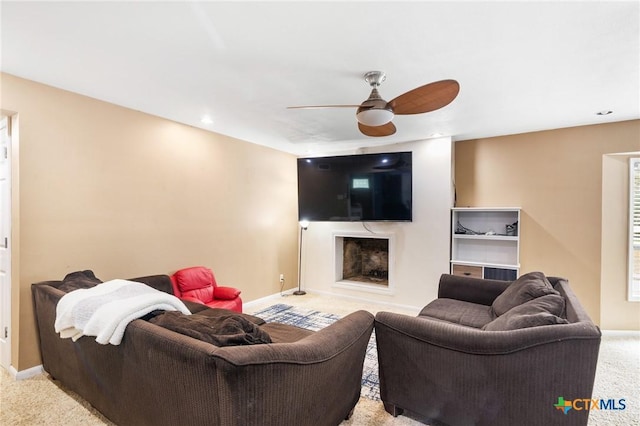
[374, 116]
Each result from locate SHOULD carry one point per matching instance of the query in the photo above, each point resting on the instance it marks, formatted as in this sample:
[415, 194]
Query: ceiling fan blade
[429, 97]
[384, 130]
[322, 106]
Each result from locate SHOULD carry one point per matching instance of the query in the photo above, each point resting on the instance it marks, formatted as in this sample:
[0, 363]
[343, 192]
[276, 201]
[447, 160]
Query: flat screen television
[365, 187]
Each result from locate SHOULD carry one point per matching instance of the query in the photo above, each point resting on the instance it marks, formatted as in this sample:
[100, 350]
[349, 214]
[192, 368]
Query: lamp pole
[299, 292]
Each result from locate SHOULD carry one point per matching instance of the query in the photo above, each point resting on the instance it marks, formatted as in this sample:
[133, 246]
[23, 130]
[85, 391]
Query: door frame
[10, 122]
[7, 121]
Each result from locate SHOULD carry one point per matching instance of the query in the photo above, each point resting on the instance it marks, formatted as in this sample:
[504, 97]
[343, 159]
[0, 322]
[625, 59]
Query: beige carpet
[42, 401]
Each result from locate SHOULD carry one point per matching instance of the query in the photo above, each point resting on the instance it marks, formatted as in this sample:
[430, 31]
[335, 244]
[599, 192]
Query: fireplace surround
[364, 261]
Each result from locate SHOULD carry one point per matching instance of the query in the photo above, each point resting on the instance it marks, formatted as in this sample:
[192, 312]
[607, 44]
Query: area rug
[314, 320]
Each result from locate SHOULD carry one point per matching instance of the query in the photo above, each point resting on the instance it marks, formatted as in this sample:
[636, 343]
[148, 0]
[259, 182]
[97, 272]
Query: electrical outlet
[281, 278]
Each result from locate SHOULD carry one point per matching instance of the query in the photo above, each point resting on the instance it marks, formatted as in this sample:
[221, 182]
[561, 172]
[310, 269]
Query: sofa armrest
[52, 283]
[302, 377]
[475, 341]
[468, 289]
[225, 293]
[463, 375]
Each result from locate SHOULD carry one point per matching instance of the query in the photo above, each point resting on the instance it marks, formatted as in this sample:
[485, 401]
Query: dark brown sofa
[443, 365]
[159, 377]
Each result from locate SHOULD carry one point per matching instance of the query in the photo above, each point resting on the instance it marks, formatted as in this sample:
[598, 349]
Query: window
[634, 230]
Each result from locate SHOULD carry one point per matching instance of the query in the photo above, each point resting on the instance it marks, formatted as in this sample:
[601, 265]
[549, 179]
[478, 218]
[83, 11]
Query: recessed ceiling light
[604, 112]
[206, 120]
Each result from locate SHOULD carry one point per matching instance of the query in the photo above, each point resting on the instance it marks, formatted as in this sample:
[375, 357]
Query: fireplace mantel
[375, 278]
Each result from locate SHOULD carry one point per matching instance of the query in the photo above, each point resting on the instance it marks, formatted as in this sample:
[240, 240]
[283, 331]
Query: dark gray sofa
[159, 377]
[442, 365]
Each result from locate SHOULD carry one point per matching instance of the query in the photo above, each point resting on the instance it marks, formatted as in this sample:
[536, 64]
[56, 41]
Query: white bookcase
[485, 242]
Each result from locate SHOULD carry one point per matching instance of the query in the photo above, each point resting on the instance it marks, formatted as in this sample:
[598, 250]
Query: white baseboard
[270, 297]
[25, 374]
[621, 333]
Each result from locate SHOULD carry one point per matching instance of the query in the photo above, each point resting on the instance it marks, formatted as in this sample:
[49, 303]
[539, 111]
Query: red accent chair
[197, 284]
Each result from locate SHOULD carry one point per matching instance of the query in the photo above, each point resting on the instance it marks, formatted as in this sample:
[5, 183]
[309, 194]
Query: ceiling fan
[375, 115]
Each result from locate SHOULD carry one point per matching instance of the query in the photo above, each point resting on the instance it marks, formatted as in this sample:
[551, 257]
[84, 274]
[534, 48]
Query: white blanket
[105, 310]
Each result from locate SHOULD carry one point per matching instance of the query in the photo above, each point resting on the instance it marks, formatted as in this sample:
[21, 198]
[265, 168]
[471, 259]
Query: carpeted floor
[41, 401]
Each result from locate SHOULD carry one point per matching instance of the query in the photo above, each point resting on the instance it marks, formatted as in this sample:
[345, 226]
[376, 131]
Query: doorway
[5, 242]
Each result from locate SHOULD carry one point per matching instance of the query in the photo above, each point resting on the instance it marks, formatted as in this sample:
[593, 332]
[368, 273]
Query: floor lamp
[303, 226]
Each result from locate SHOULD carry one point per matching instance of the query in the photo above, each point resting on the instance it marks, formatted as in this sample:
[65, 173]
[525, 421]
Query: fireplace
[363, 261]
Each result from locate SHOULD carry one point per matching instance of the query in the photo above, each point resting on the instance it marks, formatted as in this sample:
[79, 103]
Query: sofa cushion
[527, 287]
[79, 280]
[223, 330]
[159, 282]
[285, 333]
[544, 310]
[458, 311]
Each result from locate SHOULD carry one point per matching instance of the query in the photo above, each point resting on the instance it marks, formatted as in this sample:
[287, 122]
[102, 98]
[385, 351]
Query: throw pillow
[527, 287]
[78, 280]
[544, 310]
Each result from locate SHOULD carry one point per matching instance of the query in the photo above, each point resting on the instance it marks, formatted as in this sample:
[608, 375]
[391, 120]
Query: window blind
[634, 230]
[635, 201]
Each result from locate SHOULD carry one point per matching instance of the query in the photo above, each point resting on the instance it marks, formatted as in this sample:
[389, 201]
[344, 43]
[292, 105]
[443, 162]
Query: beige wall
[556, 177]
[127, 194]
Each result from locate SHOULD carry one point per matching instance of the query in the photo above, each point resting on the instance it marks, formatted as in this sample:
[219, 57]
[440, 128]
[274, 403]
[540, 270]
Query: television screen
[366, 187]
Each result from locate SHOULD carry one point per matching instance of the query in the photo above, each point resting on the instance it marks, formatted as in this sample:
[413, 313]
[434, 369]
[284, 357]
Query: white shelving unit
[485, 242]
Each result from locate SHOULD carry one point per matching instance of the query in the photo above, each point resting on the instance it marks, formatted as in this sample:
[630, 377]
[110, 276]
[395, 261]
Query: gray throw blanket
[224, 330]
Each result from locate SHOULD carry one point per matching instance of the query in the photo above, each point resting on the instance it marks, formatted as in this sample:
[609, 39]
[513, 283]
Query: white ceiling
[522, 66]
